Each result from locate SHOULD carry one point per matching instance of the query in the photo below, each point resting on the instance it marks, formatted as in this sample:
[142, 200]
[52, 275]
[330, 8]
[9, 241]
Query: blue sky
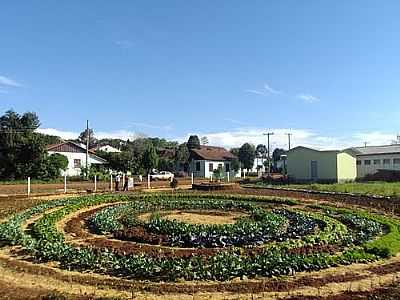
[327, 71]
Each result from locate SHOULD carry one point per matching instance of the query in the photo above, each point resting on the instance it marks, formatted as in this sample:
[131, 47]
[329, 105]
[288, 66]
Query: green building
[310, 165]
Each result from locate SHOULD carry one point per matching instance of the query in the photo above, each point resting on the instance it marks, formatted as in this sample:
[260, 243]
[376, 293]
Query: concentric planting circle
[269, 237]
[260, 226]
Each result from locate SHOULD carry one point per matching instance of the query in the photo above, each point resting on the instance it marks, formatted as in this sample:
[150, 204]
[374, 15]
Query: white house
[108, 148]
[204, 161]
[76, 156]
[371, 159]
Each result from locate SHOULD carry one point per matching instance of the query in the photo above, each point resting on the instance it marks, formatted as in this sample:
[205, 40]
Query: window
[210, 167]
[219, 166]
[227, 167]
[386, 161]
[358, 162]
[77, 163]
[377, 161]
[197, 166]
[367, 162]
[396, 161]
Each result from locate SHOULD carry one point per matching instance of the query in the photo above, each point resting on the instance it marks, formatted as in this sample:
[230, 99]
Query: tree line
[23, 151]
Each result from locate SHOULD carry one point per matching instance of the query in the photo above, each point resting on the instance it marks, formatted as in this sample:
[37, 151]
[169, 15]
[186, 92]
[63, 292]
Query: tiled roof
[211, 153]
[307, 148]
[69, 146]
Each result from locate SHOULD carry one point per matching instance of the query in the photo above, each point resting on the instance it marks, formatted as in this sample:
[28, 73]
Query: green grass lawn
[373, 188]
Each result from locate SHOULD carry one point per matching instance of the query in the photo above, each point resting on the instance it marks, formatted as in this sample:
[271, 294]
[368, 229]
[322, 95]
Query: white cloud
[308, 98]
[236, 138]
[8, 82]
[271, 90]
[300, 137]
[256, 92]
[265, 91]
[68, 135]
[117, 134]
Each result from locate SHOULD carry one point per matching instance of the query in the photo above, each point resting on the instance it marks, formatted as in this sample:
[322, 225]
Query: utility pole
[365, 144]
[268, 134]
[87, 148]
[289, 136]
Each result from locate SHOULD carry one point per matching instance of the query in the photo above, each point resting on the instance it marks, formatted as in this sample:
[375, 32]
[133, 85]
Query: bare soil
[199, 217]
[23, 279]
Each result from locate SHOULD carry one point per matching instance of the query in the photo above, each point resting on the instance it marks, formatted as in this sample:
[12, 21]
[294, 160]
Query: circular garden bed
[251, 237]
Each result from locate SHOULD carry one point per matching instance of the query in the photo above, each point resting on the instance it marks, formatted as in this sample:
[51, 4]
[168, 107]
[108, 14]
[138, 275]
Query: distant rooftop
[212, 153]
[370, 150]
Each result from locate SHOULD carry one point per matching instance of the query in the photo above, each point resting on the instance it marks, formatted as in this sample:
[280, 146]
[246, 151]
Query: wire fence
[30, 187]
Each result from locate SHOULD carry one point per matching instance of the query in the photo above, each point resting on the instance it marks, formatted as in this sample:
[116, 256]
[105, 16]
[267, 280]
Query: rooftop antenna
[397, 140]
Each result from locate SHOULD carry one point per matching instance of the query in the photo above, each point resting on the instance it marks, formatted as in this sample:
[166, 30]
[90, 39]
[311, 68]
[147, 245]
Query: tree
[247, 155]
[276, 155]
[182, 156]
[235, 163]
[55, 163]
[50, 139]
[83, 136]
[22, 151]
[150, 159]
[165, 164]
[193, 142]
[204, 140]
[261, 150]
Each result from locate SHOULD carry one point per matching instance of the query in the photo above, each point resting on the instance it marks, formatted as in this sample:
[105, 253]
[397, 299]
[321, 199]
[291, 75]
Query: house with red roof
[204, 160]
[76, 155]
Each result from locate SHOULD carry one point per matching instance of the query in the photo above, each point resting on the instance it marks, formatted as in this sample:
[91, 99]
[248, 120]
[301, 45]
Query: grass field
[375, 188]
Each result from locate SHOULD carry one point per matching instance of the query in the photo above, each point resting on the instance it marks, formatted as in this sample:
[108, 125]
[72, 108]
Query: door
[314, 170]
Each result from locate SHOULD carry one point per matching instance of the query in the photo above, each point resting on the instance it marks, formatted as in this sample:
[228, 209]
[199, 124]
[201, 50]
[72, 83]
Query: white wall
[71, 156]
[257, 162]
[204, 167]
[363, 169]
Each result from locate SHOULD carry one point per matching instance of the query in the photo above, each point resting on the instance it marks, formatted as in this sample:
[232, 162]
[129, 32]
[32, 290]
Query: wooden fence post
[111, 179]
[29, 186]
[65, 184]
[95, 183]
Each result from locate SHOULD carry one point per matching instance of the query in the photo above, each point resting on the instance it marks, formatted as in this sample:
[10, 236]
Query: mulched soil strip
[11, 205]
[388, 205]
[391, 292]
[267, 285]
[9, 291]
[75, 227]
[12, 292]
[386, 269]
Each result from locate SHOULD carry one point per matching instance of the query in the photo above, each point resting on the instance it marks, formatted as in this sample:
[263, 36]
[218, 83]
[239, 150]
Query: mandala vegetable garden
[135, 237]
